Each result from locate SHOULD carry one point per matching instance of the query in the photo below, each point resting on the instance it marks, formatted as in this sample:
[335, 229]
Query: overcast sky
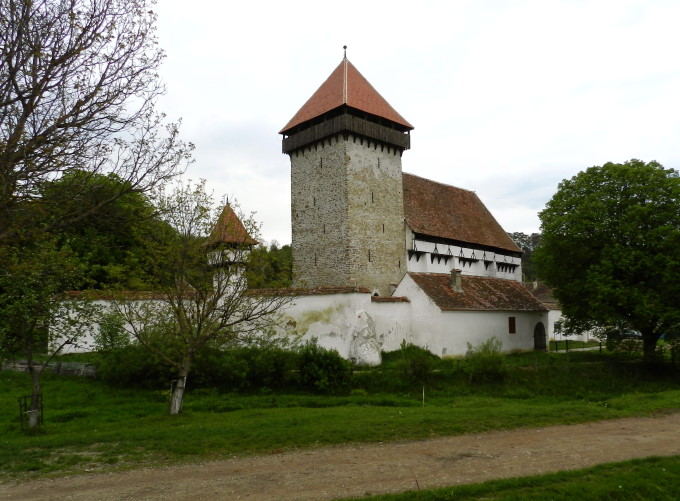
[507, 97]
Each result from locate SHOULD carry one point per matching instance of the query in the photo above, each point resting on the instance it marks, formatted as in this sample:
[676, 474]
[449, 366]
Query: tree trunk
[34, 411]
[649, 340]
[177, 397]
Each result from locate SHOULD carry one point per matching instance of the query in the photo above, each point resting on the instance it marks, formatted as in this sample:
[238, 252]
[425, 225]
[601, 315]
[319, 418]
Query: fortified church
[381, 256]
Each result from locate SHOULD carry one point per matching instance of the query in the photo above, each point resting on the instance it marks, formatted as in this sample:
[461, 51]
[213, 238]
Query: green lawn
[89, 425]
[573, 345]
[648, 479]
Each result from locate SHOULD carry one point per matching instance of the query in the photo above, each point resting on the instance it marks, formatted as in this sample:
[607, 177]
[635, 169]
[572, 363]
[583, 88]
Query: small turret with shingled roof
[229, 231]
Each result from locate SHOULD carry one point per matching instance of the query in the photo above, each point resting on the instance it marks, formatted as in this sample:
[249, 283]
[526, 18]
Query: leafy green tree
[203, 300]
[110, 241]
[270, 268]
[528, 244]
[609, 247]
[36, 320]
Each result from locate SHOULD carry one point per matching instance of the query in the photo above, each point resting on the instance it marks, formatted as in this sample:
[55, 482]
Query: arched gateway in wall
[539, 337]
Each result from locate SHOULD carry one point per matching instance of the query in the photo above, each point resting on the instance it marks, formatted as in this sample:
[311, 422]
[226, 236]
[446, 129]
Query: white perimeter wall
[359, 328]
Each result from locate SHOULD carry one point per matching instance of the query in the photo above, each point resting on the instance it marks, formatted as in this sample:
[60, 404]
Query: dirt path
[372, 469]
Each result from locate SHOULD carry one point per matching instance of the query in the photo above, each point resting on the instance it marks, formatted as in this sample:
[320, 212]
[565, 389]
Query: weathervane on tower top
[345, 48]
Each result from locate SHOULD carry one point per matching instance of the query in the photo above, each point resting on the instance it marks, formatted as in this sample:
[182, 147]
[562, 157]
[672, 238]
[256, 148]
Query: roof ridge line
[345, 97]
[439, 183]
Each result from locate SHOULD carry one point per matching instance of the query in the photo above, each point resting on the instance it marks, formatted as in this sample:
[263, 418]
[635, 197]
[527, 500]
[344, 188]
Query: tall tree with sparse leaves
[609, 247]
[78, 90]
[203, 297]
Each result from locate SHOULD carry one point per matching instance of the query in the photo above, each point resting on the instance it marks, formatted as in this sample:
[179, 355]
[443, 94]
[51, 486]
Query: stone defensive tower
[345, 146]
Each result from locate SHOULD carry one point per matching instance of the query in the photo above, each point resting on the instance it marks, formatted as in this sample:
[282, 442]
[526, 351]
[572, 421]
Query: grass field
[648, 479]
[92, 426]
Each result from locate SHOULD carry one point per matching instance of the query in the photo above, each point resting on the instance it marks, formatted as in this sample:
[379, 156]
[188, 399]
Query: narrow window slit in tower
[371, 197]
[369, 255]
[315, 259]
[383, 227]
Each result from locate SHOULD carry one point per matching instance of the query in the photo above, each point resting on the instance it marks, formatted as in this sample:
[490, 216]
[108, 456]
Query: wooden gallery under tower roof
[345, 146]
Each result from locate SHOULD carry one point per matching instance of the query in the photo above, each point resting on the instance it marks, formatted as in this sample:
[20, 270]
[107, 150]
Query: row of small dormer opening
[504, 263]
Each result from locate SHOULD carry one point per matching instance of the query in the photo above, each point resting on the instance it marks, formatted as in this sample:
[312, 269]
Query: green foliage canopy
[270, 268]
[528, 244]
[109, 239]
[610, 240]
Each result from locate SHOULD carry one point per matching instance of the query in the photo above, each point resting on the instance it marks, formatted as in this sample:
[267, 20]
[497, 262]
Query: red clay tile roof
[230, 230]
[444, 211]
[345, 86]
[479, 293]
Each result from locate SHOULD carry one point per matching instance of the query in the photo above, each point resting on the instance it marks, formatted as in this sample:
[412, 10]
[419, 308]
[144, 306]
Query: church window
[383, 227]
[314, 201]
[512, 328]
[372, 200]
[369, 255]
[324, 229]
[315, 259]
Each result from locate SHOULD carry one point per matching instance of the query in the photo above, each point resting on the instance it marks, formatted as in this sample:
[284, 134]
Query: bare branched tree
[204, 297]
[78, 89]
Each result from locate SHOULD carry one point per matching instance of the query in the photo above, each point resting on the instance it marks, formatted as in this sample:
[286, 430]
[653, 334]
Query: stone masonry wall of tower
[376, 247]
[319, 215]
[347, 214]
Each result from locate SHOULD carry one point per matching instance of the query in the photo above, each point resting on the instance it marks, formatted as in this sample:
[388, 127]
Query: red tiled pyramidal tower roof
[345, 86]
[230, 230]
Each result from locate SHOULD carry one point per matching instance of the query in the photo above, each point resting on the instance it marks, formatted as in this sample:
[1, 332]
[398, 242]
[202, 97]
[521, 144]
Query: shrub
[111, 334]
[243, 368]
[268, 367]
[415, 363]
[485, 361]
[223, 370]
[133, 366]
[322, 370]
